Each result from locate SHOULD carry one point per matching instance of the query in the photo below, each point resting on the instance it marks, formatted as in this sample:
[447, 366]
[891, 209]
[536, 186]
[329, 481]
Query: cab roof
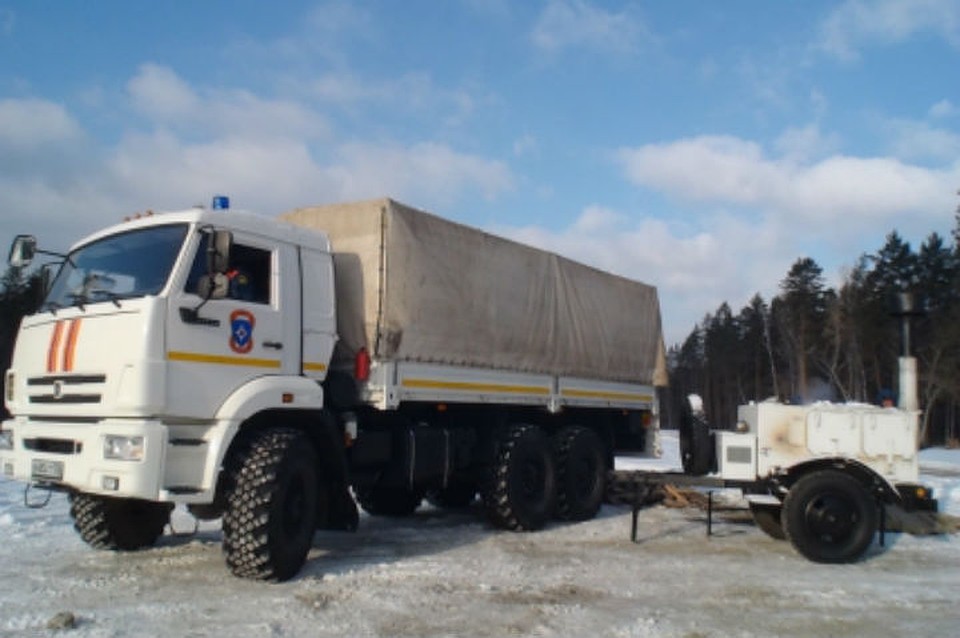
[250, 223]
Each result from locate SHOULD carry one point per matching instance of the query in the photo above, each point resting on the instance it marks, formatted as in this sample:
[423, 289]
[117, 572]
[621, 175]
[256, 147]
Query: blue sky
[699, 146]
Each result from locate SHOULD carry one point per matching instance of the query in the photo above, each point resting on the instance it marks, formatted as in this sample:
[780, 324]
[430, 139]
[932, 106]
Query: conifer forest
[812, 342]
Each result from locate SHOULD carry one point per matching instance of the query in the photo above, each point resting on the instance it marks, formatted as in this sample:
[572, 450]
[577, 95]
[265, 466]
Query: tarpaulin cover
[412, 286]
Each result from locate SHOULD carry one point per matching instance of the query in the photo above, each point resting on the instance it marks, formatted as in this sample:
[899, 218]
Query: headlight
[123, 448]
[6, 439]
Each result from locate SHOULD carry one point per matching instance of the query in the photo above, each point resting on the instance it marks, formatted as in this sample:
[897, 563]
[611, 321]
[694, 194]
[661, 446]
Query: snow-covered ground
[449, 574]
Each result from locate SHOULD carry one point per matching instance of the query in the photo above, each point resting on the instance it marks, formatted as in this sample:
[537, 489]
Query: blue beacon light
[221, 202]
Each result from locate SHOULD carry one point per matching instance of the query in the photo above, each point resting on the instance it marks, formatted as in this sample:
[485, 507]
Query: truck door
[252, 331]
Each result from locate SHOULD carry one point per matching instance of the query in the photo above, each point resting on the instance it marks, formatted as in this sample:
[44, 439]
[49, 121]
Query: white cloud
[575, 23]
[160, 93]
[163, 172]
[596, 219]
[272, 175]
[721, 168]
[423, 171]
[944, 108]
[167, 100]
[844, 191]
[805, 143]
[269, 155]
[31, 123]
[857, 24]
[407, 93]
[919, 140]
[321, 36]
[757, 214]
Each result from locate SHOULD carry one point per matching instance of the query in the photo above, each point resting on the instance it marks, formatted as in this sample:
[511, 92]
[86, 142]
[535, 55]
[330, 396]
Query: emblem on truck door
[241, 331]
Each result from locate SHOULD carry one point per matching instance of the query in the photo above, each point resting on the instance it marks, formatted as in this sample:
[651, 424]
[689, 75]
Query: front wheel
[271, 511]
[829, 517]
[123, 524]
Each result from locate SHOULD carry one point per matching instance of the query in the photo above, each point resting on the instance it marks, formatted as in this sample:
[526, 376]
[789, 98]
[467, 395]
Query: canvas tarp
[412, 286]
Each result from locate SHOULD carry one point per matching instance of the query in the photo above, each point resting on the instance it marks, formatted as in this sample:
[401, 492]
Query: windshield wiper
[79, 299]
[52, 306]
[112, 296]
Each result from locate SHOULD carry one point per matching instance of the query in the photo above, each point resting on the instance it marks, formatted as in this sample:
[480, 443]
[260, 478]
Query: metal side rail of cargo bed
[394, 382]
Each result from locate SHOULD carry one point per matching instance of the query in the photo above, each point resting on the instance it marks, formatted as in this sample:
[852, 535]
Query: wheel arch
[871, 480]
[319, 425]
[262, 403]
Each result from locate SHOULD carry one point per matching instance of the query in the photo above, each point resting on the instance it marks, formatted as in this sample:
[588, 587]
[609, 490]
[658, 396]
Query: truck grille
[54, 446]
[62, 388]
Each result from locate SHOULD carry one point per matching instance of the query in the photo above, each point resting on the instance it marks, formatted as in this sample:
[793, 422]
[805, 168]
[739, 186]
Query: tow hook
[37, 504]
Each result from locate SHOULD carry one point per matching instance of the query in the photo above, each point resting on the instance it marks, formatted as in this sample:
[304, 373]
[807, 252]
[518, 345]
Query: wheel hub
[831, 518]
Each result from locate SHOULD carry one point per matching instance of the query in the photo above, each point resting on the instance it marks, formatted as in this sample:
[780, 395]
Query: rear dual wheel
[581, 473]
[519, 487]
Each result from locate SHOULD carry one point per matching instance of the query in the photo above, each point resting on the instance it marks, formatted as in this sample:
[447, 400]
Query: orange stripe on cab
[54, 348]
[69, 352]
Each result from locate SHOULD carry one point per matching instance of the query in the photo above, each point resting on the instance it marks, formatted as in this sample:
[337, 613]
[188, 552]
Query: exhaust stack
[905, 309]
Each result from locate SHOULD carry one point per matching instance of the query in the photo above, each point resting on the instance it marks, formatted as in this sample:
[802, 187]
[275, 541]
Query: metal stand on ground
[638, 498]
[709, 513]
[883, 524]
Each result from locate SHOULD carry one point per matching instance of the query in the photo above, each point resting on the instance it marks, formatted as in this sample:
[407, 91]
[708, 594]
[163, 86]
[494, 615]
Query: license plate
[44, 469]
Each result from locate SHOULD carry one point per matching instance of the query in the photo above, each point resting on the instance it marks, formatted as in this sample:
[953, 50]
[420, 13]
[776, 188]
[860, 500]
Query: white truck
[269, 371]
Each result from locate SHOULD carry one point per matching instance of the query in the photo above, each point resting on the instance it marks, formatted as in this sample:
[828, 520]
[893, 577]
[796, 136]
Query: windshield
[132, 264]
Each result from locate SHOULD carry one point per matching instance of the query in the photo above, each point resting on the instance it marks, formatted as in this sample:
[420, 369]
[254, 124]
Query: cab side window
[249, 274]
[248, 277]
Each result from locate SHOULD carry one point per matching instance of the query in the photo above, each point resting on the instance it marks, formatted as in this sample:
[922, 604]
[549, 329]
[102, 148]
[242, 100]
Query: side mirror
[22, 251]
[218, 251]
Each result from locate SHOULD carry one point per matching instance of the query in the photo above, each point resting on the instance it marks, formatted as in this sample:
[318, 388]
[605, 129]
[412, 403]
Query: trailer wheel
[271, 511]
[396, 502]
[581, 473]
[829, 517]
[123, 524]
[519, 490]
[767, 516]
[457, 495]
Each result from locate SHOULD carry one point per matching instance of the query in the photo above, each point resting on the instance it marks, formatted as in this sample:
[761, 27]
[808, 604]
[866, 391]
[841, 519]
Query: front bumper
[71, 456]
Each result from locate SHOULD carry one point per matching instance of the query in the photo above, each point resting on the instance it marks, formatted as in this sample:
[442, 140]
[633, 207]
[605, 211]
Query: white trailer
[269, 371]
[818, 475]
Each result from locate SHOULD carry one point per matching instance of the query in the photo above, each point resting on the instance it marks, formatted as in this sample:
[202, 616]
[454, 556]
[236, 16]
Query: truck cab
[137, 357]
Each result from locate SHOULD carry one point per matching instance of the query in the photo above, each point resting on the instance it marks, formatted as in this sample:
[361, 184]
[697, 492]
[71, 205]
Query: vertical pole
[883, 523]
[710, 513]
